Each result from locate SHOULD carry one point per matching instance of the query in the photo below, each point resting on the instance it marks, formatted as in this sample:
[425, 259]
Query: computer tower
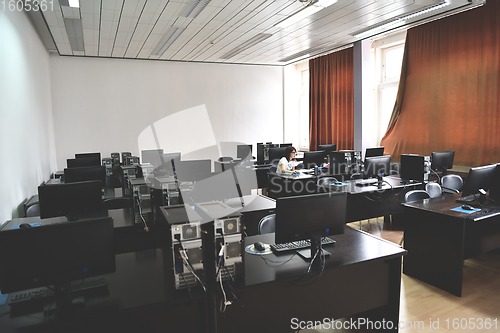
[141, 196]
[165, 191]
[125, 154]
[116, 159]
[127, 172]
[186, 244]
[345, 162]
[107, 163]
[147, 169]
[131, 160]
[263, 150]
[415, 167]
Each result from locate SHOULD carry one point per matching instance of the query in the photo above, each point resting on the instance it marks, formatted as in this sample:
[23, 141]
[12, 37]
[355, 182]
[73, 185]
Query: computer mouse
[259, 246]
[25, 225]
[467, 207]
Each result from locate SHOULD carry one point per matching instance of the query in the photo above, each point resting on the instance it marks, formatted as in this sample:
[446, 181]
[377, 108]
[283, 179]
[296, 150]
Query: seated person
[286, 163]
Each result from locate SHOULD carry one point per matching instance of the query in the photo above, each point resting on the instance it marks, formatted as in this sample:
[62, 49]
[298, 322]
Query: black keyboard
[467, 199]
[297, 245]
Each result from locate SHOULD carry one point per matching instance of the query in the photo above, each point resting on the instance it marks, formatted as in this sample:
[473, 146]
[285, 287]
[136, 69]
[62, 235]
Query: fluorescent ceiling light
[311, 8]
[310, 51]
[246, 45]
[400, 19]
[74, 3]
[167, 40]
[194, 8]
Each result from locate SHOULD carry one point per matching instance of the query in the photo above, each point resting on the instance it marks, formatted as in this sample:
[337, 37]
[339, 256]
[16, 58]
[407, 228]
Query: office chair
[414, 195]
[325, 181]
[267, 224]
[117, 203]
[356, 175]
[452, 183]
[272, 169]
[434, 189]
[33, 210]
[225, 159]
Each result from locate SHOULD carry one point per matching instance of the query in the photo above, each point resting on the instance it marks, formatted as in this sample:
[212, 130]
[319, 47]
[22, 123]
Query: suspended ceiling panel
[223, 29]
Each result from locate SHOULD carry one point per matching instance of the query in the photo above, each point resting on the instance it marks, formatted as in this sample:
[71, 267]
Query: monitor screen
[82, 162]
[328, 148]
[299, 216]
[72, 175]
[275, 154]
[377, 165]
[193, 170]
[479, 178]
[70, 199]
[376, 151]
[153, 157]
[412, 168]
[312, 158]
[55, 253]
[244, 152]
[442, 160]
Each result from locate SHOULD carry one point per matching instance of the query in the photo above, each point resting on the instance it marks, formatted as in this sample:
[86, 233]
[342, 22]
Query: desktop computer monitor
[312, 158]
[193, 170]
[73, 175]
[495, 186]
[275, 154]
[310, 217]
[412, 168]
[328, 148]
[152, 156]
[479, 178]
[82, 162]
[70, 199]
[442, 160]
[377, 165]
[89, 155]
[244, 152]
[56, 254]
[372, 152]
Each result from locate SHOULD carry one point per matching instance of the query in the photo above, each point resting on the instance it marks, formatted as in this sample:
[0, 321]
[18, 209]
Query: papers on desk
[467, 211]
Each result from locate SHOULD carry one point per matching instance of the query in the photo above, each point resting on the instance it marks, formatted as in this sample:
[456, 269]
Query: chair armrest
[450, 190]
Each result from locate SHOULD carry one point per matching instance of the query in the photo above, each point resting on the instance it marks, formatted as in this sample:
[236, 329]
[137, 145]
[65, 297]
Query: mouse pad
[251, 249]
[3, 298]
[461, 210]
[37, 224]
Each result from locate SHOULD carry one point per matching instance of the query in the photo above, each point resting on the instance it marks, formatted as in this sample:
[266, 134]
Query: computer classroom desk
[439, 239]
[140, 297]
[361, 278]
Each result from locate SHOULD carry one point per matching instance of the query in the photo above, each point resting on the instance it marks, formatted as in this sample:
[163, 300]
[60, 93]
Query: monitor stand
[308, 254]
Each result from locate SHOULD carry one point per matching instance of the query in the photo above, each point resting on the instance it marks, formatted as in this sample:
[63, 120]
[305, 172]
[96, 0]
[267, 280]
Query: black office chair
[272, 169]
[452, 183]
[33, 210]
[434, 189]
[267, 224]
[225, 159]
[117, 203]
[356, 175]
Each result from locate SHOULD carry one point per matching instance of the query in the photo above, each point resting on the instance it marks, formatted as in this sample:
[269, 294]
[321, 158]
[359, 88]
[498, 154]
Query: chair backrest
[225, 159]
[272, 169]
[33, 210]
[267, 224]
[356, 176]
[117, 203]
[326, 181]
[434, 189]
[416, 195]
[452, 181]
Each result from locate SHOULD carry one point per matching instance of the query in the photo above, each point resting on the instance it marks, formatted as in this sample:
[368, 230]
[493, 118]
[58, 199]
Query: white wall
[109, 105]
[26, 128]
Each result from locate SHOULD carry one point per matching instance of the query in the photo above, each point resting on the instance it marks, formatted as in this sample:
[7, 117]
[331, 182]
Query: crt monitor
[73, 200]
[244, 152]
[312, 158]
[479, 178]
[310, 217]
[73, 175]
[377, 165]
[442, 160]
[328, 148]
[412, 168]
[375, 151]
[55, 254]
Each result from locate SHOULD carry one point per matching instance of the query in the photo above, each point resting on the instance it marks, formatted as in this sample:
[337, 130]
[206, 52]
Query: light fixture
[311, 8]
[194, 8]
[74, 3]
[246, 45]
[323, 47]
[167, 40]
[400, 19]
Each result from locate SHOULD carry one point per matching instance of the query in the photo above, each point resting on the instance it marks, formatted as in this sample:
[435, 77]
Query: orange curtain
[452, 89]
[331, 100]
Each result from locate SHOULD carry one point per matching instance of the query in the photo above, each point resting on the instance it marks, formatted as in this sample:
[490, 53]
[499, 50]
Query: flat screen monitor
[312, 158]
[372, 152]
[82, 162]
[96, 156]
[55, 254]
[310, 217]
[70, 199]
[328, 148]
[479, 178]
[495, 186]
[152, 156]
[377, 165]
[412, 168]
[244, 152]
[442, 160]
[73, 175]
[193, 170]
[275, 154]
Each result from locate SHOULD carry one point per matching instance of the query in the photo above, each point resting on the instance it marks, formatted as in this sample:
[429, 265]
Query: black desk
[438, 241]
[343, 290]
[141, 298]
